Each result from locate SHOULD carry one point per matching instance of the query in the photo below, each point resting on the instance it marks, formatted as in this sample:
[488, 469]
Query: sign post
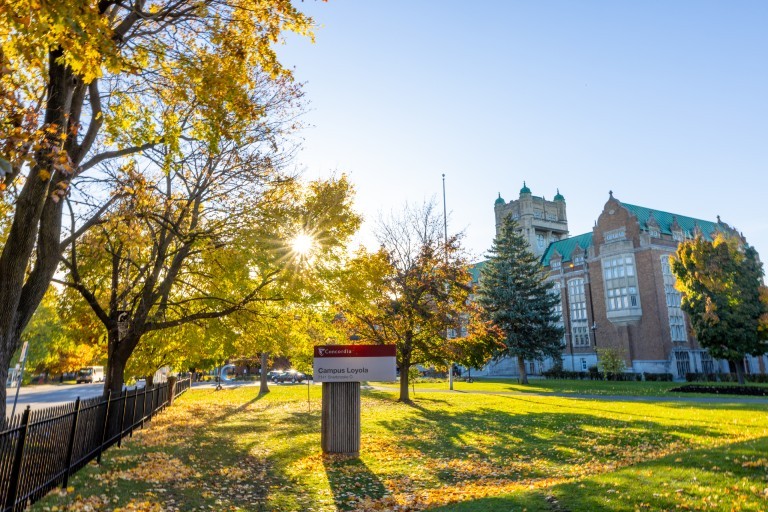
[23, 361]
[341, 368]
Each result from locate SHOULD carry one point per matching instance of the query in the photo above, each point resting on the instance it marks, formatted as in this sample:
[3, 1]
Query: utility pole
[445, 231]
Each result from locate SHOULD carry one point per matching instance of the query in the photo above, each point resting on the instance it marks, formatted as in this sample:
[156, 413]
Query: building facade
[615, 285]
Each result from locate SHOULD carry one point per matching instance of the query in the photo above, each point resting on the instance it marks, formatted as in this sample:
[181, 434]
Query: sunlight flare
[302, 244]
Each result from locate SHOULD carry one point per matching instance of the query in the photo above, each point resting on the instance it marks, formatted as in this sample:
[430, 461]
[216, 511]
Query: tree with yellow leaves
[724, 296]
[412, 291]
[87, 83]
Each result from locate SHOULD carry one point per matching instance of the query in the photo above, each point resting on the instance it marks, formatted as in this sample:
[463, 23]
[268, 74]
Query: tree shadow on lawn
[516, 446]
[724, 478]
[351, 480]
[283, 437]
[533, 445]
[735, 472]
[201, 409]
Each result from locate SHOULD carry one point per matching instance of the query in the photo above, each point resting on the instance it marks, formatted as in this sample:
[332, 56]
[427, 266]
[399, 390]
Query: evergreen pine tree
[516, 299]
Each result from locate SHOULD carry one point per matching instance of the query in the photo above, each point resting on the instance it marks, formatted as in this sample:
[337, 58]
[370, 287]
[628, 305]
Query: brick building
[615, 285]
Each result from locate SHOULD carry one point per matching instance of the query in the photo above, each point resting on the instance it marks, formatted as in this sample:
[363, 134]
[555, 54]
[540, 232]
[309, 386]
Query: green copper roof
[565, 247]
[475, 270]
[559, 196]
[525, 189]
[500, 200]
[665, 221]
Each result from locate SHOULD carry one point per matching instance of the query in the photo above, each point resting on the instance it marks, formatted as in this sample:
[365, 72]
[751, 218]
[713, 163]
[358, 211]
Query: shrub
[658, 377]
[700, 377]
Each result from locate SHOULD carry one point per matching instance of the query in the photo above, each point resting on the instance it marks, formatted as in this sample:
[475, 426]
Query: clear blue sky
[663, 102]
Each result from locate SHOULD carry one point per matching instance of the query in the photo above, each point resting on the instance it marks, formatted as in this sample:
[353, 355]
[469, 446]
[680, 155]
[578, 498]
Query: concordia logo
[322, 351]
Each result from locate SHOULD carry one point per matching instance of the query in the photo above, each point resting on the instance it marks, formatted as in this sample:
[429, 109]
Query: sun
[302, 244]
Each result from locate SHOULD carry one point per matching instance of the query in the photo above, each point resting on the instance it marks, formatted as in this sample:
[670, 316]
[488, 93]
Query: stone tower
[541, 222]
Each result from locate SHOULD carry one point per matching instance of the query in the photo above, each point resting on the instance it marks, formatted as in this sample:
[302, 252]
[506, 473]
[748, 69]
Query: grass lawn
[581, 387]
[234, 450]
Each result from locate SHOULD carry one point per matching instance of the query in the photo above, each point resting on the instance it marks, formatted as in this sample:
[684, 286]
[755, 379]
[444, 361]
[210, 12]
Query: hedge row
[594, 374]
[725, 377]
[722, 390]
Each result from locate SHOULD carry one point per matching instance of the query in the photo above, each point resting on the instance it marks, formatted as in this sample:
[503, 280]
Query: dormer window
[555, 263]
[615, 235]
[678, 236]
[654, 232]
[578, 259]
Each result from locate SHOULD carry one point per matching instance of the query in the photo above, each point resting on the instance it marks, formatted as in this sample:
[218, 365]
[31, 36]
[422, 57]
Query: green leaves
[723, 294]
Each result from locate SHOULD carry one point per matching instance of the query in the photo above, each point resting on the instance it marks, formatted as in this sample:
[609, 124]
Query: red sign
[356, 351]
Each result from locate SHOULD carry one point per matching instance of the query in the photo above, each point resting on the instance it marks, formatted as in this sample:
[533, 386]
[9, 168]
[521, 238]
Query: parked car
[289, 376]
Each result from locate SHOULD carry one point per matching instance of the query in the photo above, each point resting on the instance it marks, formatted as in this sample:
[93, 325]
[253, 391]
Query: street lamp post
[445, 232]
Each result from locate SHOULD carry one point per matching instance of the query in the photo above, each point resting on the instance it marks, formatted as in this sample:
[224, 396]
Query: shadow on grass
[683, 480]
[266, 456]
[524, 502]
[351, 480]
[542, 443]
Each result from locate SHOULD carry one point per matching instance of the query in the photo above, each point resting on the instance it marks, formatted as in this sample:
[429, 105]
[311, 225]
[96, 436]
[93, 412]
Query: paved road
[46, 395]
[41, 396]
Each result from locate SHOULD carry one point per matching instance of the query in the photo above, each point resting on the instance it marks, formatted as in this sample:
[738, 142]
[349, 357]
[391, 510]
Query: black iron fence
[41, 449]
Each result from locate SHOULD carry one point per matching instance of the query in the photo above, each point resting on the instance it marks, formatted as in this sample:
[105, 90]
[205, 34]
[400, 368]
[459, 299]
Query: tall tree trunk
[521, 370]
[118, 352]
[3, 390]
[115, 375]
[405, 365]
[21, 293]
[264, 387]
[739, 365]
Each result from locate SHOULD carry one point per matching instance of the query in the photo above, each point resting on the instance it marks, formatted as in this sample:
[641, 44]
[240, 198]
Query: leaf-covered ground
[461, 451]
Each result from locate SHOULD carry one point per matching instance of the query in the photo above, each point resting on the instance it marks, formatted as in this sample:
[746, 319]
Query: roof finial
[610, 193]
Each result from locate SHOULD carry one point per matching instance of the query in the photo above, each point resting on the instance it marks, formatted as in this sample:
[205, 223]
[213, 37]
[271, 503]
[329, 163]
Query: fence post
[71, 444]
[152, 402]
[133, 410]
[122, 417]
[106, 425]
[144, 404]
[13, 484]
